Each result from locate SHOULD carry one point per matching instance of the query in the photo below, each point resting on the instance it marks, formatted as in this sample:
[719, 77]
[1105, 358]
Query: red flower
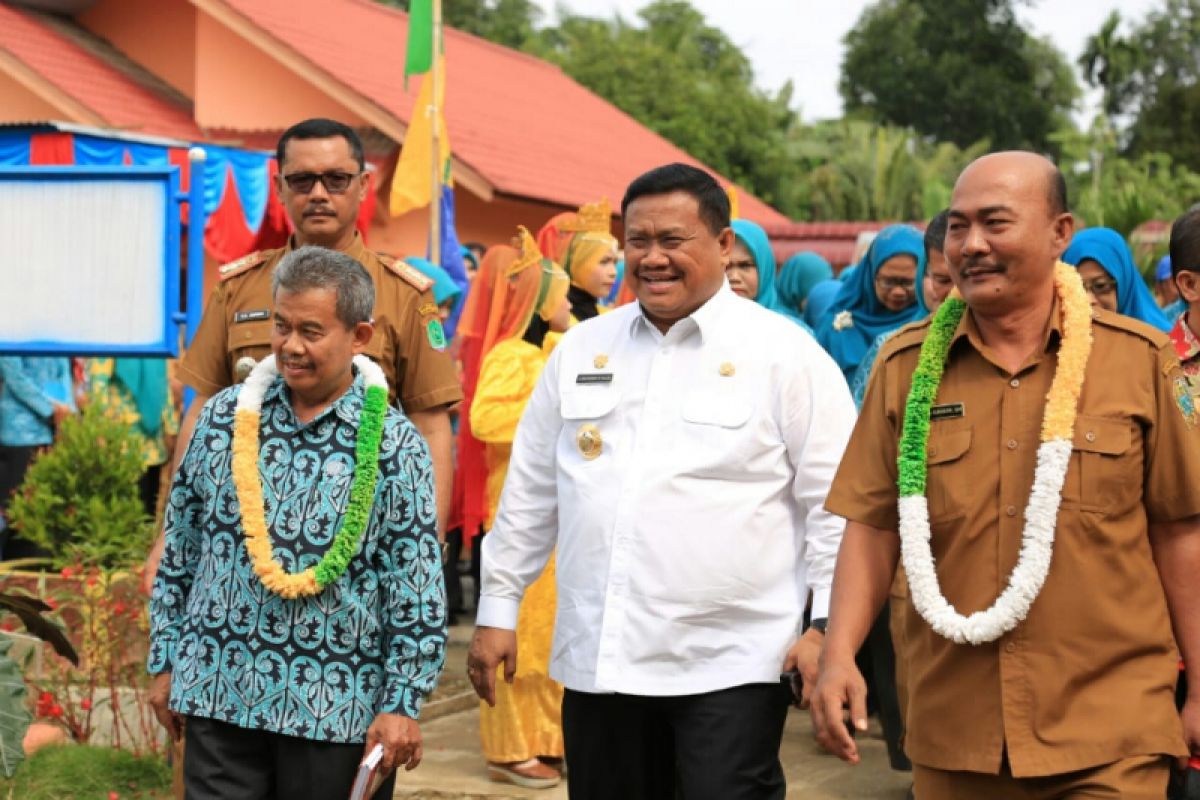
[114, 796]
[50, 601]
[67, 572]
[56, 710]
[86, 704]
[90, 581]
[45, 697]
[118, 607]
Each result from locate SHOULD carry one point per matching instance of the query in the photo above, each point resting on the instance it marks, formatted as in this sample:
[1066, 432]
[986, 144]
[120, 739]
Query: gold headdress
[528, 249]
[591, 218]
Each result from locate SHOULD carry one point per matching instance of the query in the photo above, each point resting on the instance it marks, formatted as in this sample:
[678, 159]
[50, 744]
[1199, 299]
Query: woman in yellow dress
[583, 243]
[517, 288]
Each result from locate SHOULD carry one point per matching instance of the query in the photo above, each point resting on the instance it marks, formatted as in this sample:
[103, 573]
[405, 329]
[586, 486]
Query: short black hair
[1185, 242]
[935, 233]
[1058, 193]
[321, 128]
[714, 203]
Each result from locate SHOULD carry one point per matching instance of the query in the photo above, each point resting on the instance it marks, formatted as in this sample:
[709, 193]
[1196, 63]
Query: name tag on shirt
[947, 411]
[252, 316]
[584, 378]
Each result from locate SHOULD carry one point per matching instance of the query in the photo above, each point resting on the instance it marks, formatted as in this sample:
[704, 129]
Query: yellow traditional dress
[526, 721]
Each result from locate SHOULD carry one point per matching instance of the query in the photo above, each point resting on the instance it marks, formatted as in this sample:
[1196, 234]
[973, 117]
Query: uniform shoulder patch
[244, 263]
[410, 275]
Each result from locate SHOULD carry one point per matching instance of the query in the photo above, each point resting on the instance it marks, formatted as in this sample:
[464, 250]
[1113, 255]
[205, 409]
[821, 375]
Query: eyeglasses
[888, 284]
[1100, 286]
[334, 182]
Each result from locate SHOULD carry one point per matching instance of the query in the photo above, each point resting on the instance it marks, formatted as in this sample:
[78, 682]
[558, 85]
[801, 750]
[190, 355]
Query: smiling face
[1004, 237]
[673, 261]
[313, 348]
[321, 217]
[742, 272]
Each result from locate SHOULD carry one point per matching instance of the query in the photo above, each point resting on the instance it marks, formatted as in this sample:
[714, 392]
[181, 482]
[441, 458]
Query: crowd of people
[688, 485]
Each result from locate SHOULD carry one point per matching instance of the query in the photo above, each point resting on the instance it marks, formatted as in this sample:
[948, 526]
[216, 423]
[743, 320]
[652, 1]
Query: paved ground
[454, 768]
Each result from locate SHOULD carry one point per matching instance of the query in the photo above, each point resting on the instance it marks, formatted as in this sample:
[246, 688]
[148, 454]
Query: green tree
[956, 70]
[685, 80]
[1151, 79]
[511, 23]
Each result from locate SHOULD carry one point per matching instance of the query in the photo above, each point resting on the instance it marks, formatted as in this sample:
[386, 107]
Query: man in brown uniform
[321, 183]
[1077, 699]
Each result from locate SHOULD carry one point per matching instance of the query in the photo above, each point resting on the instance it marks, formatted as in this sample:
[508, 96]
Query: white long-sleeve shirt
[687, 547]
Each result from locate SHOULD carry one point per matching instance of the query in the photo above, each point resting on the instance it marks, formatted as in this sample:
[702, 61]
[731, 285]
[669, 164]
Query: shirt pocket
[944, 457]
[589, 422]
[248, 340]
[1103, 472]
[715, 429]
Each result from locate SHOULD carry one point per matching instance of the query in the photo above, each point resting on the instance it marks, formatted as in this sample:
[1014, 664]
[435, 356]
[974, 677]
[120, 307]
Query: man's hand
[840, 686]
[804, 657]
[401, 740]
[1190, 715]
[160, 696]
[60, 413]
[489, 648]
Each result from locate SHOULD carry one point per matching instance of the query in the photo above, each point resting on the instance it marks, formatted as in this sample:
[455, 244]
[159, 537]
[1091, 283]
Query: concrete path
[454, 768]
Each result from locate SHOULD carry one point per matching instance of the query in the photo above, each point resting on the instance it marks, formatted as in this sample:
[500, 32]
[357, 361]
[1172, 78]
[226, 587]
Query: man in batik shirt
[299, 610]
[1185, 335]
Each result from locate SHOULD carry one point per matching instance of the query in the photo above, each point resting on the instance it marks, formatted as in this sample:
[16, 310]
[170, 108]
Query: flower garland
[1053, 459]
[248, 484]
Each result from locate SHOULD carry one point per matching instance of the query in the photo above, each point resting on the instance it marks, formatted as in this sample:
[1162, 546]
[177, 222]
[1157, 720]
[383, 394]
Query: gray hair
[312, 267]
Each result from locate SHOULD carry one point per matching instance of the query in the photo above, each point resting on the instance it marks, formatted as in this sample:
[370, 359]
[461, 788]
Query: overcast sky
[801, 40]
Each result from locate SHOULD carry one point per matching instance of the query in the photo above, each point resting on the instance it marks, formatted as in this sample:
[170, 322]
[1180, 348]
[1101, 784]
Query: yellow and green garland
[1053, 460]
[248, 485]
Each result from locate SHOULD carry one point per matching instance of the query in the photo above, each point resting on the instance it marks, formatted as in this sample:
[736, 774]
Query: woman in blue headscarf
[751, 269]
[881, 296]
[1111, 278]
[820, 298]
[798, 276]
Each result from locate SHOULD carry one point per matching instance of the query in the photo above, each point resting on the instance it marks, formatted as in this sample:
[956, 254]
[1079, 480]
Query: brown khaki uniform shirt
[1088, 677]
[237, 324]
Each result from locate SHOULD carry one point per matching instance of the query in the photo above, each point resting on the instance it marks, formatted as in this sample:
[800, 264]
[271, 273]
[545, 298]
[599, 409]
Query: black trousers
[222, 761]
[717, 746]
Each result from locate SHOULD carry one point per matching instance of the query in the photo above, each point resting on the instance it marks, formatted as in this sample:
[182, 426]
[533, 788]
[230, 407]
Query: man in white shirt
[677, 453]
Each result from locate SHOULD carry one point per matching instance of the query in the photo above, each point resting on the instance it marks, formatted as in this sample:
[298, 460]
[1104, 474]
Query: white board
[89, 260]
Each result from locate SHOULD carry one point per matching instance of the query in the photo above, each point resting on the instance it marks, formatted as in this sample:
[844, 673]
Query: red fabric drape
[51, 149]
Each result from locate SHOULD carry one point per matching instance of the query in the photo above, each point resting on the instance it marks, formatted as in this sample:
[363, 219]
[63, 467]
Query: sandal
[531, 774]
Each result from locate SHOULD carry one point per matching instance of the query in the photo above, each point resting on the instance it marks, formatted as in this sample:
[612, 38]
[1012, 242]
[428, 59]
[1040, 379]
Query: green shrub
[80, 498]
[82, 772]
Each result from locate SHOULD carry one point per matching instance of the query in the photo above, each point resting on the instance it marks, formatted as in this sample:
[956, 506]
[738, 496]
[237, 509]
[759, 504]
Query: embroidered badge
[600, 361]
[843, 320]
[427, 309]
[1185, 401]
[435, 334]
[726, 370]
[589, 442]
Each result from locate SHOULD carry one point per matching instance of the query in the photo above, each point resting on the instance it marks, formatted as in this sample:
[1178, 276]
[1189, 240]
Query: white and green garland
[1053, 459]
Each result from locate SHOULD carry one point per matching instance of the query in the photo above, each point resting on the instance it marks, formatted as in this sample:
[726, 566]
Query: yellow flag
[412, 184]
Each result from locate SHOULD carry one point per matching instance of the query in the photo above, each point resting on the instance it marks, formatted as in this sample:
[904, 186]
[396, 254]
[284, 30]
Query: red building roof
[117, 97]
[520, 122]
[833, 241]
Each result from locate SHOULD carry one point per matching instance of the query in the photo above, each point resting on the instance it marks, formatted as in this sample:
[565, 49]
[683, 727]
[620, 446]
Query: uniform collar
[1187, 345]
[705, 319]
[357, 249]
[968, 329]
[348, 407]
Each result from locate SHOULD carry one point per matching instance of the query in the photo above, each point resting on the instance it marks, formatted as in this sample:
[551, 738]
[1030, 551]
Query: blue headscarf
[820, 298]
[869, 316]
[799, 275]
[617, 284]
[755, 240]
[1162, 272]
[1107, 248]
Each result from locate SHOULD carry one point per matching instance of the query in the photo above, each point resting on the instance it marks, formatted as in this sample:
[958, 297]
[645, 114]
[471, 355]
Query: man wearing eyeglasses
[321, 182]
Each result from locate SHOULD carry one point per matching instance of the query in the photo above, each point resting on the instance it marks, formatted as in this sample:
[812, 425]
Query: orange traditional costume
[512, 289]
[579, 242]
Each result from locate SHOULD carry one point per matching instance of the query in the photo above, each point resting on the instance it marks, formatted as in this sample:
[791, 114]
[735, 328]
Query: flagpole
[435, 203]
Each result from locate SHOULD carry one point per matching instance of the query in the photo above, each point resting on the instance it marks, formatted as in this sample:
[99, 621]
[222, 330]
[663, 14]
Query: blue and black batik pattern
[320, 667]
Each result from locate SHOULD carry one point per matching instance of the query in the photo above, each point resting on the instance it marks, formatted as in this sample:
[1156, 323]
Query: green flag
[419, 58]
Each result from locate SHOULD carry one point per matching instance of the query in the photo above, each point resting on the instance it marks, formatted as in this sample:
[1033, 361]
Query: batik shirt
[318, 667]
[1187, 347]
